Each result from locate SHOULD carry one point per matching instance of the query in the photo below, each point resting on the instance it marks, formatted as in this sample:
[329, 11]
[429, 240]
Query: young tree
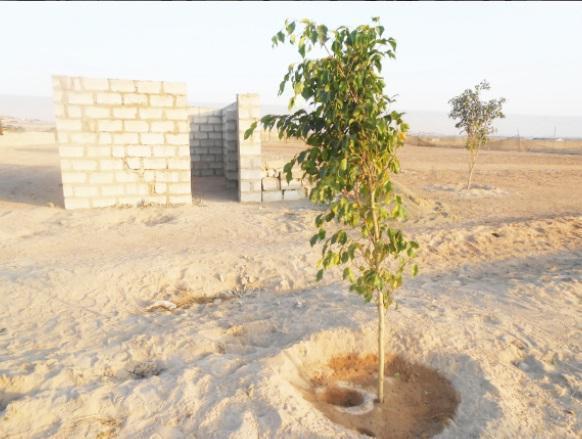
[475, 119]
[353, 138]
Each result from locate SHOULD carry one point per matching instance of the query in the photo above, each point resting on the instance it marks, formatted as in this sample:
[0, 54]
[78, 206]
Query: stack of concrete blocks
[122, 142]
[249, 150]
[274, 182]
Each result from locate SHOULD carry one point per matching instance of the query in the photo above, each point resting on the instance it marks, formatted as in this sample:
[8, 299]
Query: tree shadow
[36, 185]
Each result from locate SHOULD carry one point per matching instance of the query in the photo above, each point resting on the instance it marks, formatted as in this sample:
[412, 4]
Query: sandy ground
[495, 309]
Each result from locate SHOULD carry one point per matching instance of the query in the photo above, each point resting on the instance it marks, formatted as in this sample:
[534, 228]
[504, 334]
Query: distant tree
[1, 128]
[353, 138]
[475, 119]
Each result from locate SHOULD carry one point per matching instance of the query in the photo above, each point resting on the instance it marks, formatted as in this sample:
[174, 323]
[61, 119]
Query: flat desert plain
[205, 321]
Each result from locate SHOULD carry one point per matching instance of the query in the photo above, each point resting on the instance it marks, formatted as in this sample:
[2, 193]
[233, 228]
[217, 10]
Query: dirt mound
[419, 402]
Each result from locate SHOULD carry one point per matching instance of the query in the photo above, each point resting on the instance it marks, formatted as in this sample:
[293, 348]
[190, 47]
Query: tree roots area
[418, 401]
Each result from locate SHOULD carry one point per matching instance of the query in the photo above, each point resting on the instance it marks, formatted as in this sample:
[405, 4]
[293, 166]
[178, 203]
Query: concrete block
[176, 114]
[136, 126]
[126, 177]
[73, 177]
[69, 125]
[126, 139]
[61, 111]
[250, 174]
[112, 190]
[161, 188]
[293, 194]
[174, 88]
[293, 184]
[179, 188]
[182, 127]
[99, 151]
[177, 139]
[110, 165]
[110, 125]
[164, 151]
[74, 112]
[84, 165]
[125, 112]
[162, 127]
[135, 99]
[155, 164]
[150, 113]
[161, 101]
[139, 151]
[100, 177]
[109, 98]
[183, 151]
[95, 84]
[272, 196]
[134, 163]
[137, 189]
[80, 98]
[71, 151]
[271, 184]
[152, 139]
[122, 85]
[149, 86]
[84, 138]
[97, 112]
[183, 163]
[105, 139]
[86, 191]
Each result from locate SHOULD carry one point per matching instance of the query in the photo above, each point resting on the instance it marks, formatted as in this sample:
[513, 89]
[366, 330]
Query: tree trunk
[471, 167]
[381, 313]
[380, 299]
[473, 154]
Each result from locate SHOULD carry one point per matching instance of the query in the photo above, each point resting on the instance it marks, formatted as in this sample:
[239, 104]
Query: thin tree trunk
[381, 313]
[472, 162]
[471, 167]
[380, 300]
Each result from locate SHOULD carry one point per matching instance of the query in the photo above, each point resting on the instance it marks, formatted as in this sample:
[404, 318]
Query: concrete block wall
[122, 142]
[249, 150]
[213, 147]
[206, 142]
[274, 185]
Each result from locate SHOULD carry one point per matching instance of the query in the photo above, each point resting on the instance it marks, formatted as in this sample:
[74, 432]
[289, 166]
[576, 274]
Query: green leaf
[250, 130]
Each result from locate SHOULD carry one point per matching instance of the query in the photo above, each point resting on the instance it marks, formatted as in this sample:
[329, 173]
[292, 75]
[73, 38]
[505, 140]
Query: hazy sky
[530, 52]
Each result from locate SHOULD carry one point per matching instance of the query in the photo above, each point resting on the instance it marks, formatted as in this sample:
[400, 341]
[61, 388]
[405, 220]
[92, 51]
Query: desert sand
[88, 350]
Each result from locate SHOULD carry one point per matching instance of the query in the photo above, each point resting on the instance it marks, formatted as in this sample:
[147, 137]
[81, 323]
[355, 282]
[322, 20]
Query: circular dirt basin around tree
[418, 401]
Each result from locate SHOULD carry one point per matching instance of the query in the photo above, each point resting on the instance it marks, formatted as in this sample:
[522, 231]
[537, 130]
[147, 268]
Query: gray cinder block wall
[122, 142]
[213, 143]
